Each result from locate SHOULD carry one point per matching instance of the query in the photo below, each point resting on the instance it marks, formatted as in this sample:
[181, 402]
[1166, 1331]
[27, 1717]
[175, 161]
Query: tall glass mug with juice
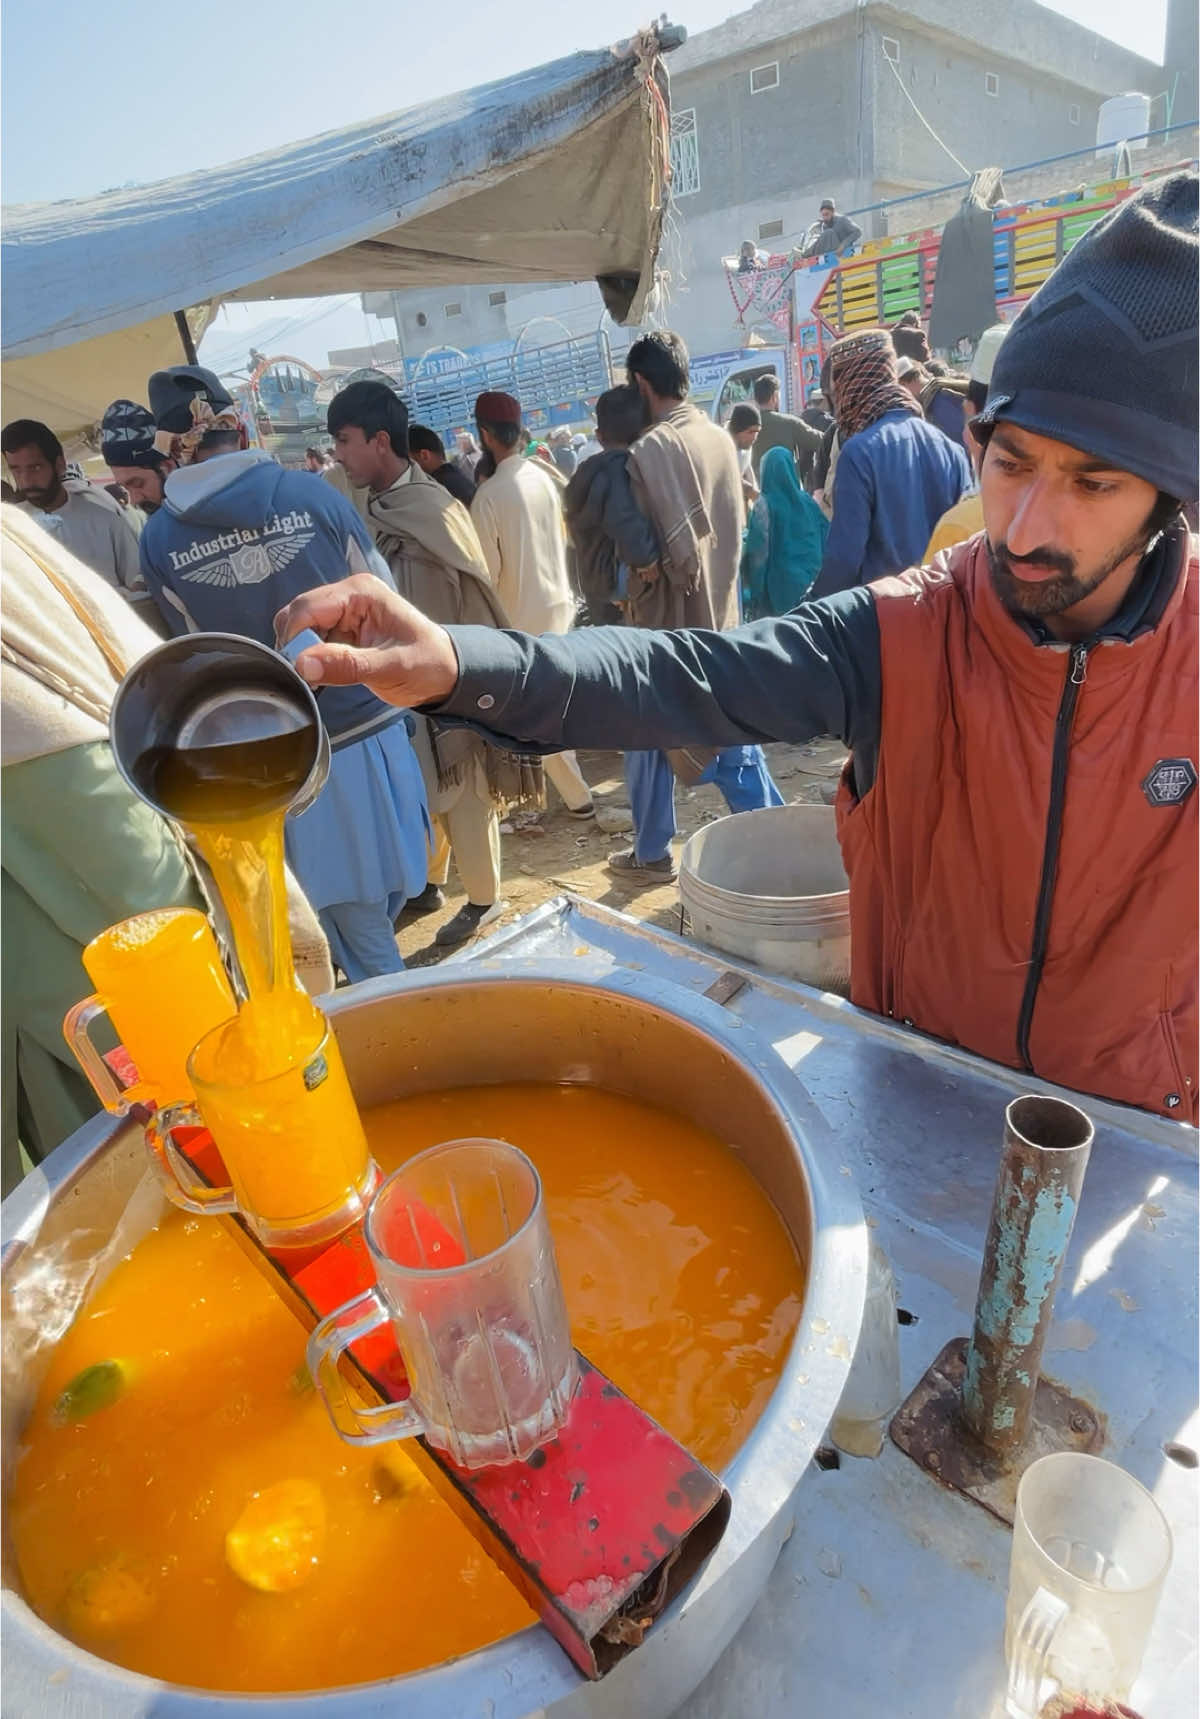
[223, 736]
[287, 1128]
[160, 980]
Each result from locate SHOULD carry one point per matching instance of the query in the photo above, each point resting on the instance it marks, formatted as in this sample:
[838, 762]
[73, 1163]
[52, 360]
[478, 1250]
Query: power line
[962, 167]
[292, 326]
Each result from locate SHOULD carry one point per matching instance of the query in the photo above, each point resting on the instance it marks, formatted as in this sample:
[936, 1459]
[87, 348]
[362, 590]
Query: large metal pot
[458, 1026]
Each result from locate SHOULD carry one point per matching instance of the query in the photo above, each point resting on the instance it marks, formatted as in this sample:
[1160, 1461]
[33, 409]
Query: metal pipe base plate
[929, 1427]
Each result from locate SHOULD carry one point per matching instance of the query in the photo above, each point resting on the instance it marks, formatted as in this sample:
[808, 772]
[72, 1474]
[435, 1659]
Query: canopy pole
[185, 335]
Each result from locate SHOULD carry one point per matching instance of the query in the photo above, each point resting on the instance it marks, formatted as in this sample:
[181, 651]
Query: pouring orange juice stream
[270, 1082]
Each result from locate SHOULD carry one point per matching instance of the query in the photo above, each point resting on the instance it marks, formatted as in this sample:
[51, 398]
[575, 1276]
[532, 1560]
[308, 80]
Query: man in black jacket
[426, 447]
[781, 430]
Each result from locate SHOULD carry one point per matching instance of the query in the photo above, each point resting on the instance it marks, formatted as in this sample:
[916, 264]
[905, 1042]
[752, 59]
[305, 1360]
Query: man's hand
[373, 638]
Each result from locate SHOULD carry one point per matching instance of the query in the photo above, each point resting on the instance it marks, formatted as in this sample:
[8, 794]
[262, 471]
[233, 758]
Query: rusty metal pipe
[1046, 1147]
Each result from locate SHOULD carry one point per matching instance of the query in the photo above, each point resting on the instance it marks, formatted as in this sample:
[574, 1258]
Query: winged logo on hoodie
[252, 563]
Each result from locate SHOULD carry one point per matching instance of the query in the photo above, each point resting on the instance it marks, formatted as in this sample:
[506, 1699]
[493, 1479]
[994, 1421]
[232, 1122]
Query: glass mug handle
[115, 1099]
[179, 1179]
[329, 1341]
[1032, 1642]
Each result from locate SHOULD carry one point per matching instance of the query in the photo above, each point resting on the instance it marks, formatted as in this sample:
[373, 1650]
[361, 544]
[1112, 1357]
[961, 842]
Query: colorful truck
[874, 286]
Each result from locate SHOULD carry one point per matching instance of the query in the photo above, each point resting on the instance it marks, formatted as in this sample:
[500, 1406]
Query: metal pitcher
[213, 689]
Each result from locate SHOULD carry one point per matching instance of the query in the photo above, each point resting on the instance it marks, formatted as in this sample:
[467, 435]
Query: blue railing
[541, 377]
[1025, 167]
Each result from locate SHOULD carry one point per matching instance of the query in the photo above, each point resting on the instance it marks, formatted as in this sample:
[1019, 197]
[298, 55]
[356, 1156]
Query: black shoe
[430, 900]
[466, 922]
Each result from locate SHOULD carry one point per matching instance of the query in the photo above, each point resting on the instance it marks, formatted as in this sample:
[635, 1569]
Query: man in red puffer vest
[1019, 815]
[1039, 704]
[1023, 872]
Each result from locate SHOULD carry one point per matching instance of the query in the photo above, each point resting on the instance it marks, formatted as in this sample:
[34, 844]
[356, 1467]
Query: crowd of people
[1018, 814]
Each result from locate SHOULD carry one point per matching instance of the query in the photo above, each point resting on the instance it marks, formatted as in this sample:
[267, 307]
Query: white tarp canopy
[558, 174]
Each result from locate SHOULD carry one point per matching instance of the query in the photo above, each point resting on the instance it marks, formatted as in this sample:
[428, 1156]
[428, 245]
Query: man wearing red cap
[518, 515]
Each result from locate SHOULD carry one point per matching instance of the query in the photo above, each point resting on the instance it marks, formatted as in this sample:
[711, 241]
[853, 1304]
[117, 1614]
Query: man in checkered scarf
[896, 473]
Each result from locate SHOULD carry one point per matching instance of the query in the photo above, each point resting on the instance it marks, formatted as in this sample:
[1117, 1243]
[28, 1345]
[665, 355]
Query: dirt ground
[558, 854]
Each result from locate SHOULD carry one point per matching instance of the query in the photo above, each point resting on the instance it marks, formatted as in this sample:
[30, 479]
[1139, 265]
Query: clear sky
[96, 97]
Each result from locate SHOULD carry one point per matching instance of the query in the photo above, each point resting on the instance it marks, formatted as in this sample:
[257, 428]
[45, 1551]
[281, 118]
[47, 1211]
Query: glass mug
[160, 979]
[292, 1141]
[1090, 1554]
[467, 1276]
[872, 1393]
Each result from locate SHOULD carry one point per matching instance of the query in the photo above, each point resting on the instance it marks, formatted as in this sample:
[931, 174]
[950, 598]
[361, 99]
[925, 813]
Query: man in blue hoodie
[236, 537]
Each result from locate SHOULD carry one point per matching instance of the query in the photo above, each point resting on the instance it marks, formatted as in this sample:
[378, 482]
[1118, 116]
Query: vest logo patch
[1170, 782]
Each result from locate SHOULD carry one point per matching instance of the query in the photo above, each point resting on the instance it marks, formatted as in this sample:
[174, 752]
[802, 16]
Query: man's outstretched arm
[815, 671]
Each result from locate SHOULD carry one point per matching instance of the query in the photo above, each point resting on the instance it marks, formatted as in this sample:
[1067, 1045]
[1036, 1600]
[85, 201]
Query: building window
[452, 309]
[771, 230]
[422, 319]
[891, 50]
[991, 84]
[685, 153]
[1073, 113]
[764, 78]
[495, 298]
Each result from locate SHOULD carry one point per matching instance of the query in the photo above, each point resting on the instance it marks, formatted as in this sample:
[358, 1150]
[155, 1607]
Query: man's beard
[43, 499]
[1034, 600]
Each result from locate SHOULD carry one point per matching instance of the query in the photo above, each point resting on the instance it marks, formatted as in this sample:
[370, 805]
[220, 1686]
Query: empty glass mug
[871, 1394]
[467, 1276]
[1090, 1554]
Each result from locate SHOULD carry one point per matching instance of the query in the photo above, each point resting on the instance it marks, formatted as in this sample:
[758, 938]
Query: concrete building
[1182, 66]
[464, 317]
[364, 357]
[861, 100]
[799, 99]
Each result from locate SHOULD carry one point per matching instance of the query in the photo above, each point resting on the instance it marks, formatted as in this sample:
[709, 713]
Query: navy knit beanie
[1104, 356]
[127, 436]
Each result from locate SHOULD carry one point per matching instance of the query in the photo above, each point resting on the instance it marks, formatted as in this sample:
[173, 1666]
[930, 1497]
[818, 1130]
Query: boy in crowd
[609, 533]
[745, 424]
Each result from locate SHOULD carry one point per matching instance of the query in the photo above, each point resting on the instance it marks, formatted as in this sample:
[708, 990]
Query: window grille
[685, 153]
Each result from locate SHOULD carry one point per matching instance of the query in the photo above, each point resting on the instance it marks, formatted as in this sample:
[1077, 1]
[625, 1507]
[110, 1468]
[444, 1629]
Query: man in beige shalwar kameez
[433, 553]
[518, 515]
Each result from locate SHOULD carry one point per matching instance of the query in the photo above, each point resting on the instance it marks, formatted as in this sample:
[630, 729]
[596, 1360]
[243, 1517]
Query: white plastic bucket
[769, 887]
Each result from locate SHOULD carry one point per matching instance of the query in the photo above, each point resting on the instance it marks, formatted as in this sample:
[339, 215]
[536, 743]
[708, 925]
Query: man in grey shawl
[686, 481]
[435, 557]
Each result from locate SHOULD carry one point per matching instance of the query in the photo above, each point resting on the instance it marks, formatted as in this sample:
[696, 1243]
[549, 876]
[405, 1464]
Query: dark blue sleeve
[631, 532]
[813, 671]
[850, 530]
[157, 583]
